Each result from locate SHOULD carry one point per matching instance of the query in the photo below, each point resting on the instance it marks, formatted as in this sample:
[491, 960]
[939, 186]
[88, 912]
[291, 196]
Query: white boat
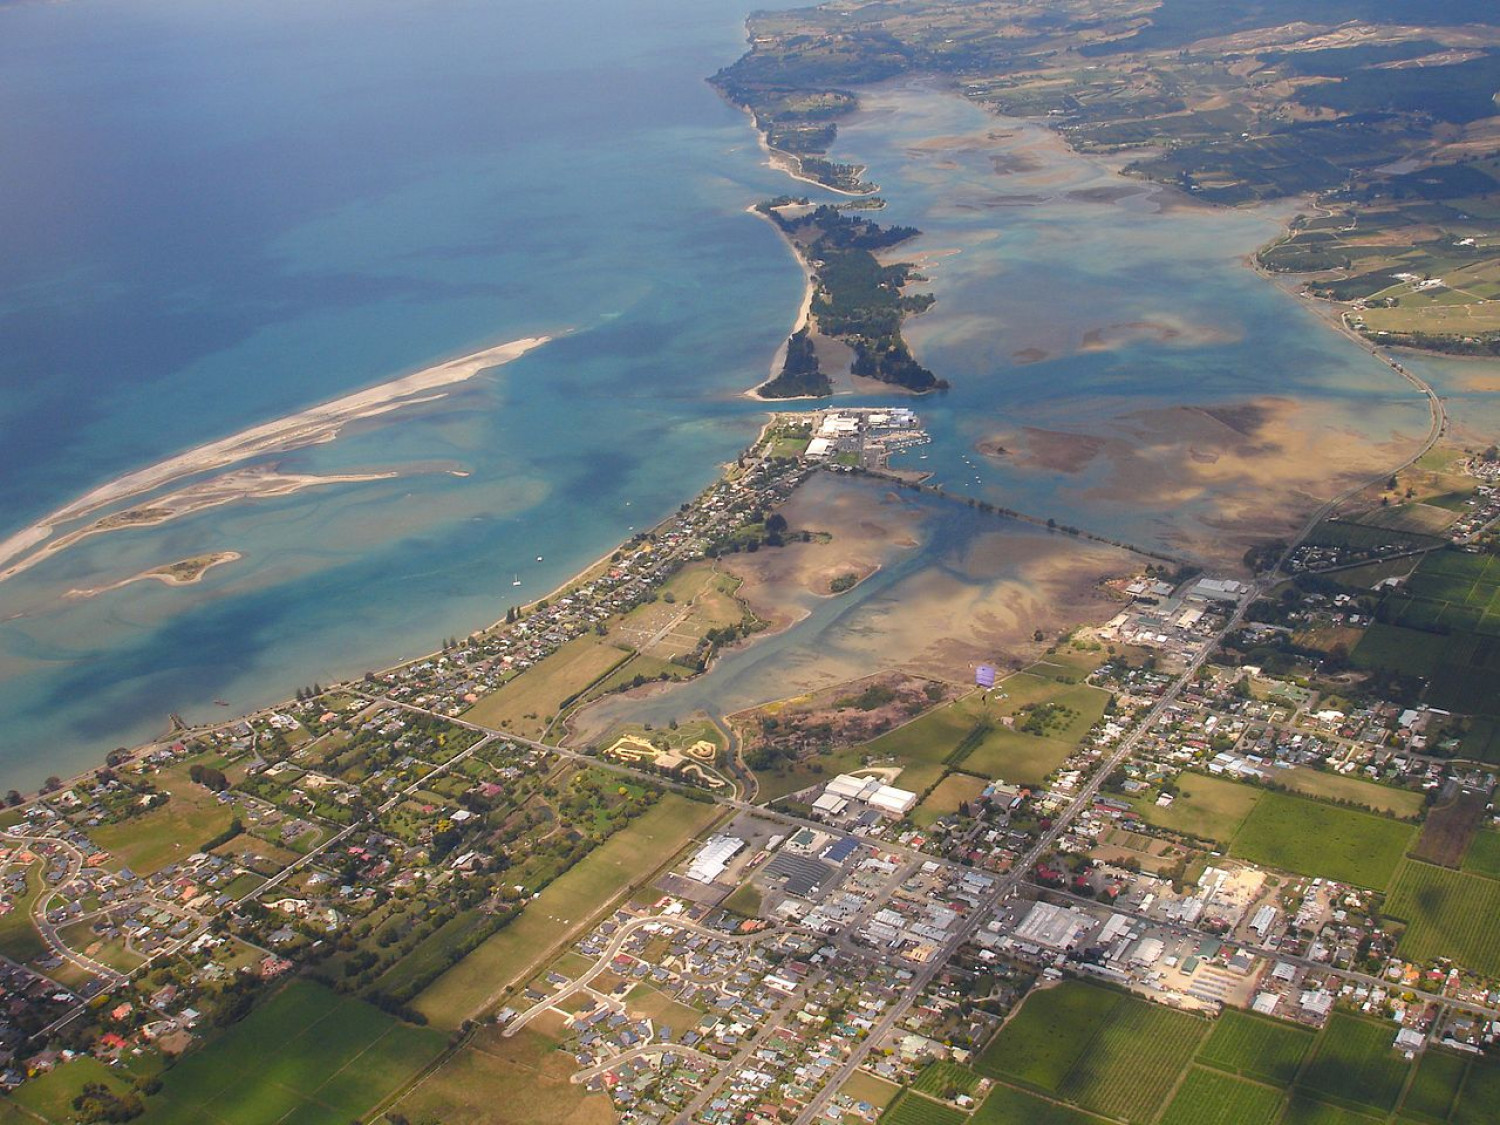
[516, 581]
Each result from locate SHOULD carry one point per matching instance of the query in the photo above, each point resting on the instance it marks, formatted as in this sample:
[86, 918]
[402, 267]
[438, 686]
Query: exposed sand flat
[1229, 475]
[317, 424]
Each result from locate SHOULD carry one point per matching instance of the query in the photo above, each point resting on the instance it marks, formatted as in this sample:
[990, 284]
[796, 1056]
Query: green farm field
[1207, 807]
[1042, 1041]
[1256, 1047]
[1312, 838]
[1134, 1061]
[1447, 914]
[1208, 1097]
[1379, 798]
[567, 903]
[1483, 856]
[526, 1074]
[1009, 1106]
[915, 1109]
[1104, 1051]
[1354, 1064]
[309, 1051]
[1434, 1088]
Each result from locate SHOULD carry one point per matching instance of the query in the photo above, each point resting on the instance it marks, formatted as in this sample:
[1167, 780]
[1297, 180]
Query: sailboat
[516, 581]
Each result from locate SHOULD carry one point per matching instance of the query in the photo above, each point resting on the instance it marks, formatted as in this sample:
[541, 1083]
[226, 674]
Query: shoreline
[804, 316]
[313, 425]
[347, 683]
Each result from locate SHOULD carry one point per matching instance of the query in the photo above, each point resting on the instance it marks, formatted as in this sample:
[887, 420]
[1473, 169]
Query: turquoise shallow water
[216, 215]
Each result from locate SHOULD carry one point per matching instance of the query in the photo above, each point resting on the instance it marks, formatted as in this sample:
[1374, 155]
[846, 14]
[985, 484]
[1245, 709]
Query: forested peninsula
[856, 300]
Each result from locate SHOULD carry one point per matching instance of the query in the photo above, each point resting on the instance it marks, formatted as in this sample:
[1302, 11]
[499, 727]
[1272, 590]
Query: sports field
[1447, 914]
[1249, 1045]
[1208, 1097]
[310, 1053]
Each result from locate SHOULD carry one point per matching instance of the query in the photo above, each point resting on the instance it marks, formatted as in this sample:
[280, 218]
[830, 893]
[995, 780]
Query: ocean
[218, 215]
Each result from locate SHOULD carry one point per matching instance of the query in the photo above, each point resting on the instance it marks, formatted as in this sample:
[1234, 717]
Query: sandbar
[315, 425]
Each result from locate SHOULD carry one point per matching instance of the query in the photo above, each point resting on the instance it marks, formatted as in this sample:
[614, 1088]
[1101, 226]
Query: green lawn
[18, 937]
[946, 797]
[1356, 1064]
[1010, 755]
[1448, 914]
[566, 904]
[1207, 1097]
[1313, 838]
[1256, 1047]
[522, 1080]
[866, 1087]
[149, 842]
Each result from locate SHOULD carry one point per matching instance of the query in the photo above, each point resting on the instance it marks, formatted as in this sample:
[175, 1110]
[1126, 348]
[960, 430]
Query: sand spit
[312, 426]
